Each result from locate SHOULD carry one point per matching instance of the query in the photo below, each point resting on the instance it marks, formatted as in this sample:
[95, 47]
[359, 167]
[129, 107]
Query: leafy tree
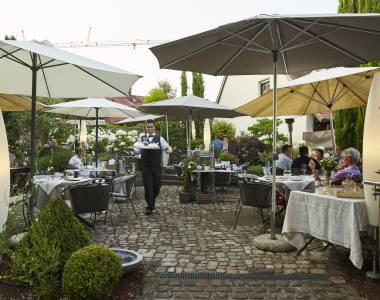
[198, 88]
[162, 92]
[183, 84]
[349, 123]
[263, 130]
[221, 128]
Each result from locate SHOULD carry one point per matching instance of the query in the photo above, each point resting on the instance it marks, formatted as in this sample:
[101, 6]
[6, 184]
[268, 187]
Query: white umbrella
[140, 119]
[317, 92]
[94, 108]
[30, 68]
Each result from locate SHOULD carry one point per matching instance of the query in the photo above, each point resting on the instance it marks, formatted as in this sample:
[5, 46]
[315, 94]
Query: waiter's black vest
[151, 157]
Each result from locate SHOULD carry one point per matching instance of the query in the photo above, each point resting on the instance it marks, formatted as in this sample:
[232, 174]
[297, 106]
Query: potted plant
[189, 164]
[225, 158]
[207, 164]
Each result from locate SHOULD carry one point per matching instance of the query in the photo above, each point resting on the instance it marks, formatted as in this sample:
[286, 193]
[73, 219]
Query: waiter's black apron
[151, 171]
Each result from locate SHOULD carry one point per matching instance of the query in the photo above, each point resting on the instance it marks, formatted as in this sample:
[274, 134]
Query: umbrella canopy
[11, 102]
[191, 107]
[140, 119]
[317, 92]
[30, 68]
[338, 88]
[181, 107]
[276, 44]
[94, 108]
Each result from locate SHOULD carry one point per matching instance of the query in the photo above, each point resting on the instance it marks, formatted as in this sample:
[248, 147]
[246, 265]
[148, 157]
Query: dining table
[338, 221]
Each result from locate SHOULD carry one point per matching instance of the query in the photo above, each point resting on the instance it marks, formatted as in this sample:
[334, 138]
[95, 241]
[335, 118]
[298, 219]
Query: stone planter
[130, 260]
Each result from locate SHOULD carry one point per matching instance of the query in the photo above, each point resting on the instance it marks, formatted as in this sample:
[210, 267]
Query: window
[264, 86]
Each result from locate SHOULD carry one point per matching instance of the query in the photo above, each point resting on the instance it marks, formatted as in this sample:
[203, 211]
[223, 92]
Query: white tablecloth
[327, 218]
[293, 185]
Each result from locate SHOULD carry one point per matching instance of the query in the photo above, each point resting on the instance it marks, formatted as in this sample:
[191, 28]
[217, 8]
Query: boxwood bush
[91, 273]
[44, 250]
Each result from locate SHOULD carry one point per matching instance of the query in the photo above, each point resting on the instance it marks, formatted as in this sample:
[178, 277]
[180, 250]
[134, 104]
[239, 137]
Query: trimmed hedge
[91, 273]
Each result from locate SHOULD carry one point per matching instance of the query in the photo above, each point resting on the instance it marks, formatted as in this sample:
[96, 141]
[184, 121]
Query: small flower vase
[328, 178]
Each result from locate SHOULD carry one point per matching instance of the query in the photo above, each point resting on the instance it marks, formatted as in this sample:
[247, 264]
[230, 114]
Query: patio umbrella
[191, 107]
[94, 108]
[11, 102]
[268, 44]
[30, 68]
[317, 92]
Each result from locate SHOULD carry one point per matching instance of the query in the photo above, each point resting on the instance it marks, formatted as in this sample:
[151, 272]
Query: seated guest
[75, 162]
[347, 167]
[304, 159]
[284, 161]
[319, 153]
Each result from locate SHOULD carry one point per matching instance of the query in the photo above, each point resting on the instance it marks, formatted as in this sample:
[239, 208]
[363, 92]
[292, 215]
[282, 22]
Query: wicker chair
[91, 198]
[255, 194]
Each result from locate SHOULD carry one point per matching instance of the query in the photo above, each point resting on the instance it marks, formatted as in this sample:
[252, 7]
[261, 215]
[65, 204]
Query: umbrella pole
[96, 137]
[189, 130]
[33, 135]
[332, 128]
[167, 129]
[274, 148]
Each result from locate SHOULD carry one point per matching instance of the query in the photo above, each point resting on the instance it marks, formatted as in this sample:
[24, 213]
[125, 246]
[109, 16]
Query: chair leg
[134, 209]
[237, 217]
[237, 206]
[113, 227]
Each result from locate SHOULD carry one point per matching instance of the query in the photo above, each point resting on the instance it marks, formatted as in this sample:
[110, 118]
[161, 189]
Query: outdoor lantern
[371, 151]
[207, 135]
[4, 174]
[83, 133]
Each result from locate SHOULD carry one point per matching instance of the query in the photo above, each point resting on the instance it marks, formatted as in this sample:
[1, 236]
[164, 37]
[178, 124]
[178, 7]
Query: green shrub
[51, 240]
[56, 158]
[225, 156]
[257, 170]
[91, 273]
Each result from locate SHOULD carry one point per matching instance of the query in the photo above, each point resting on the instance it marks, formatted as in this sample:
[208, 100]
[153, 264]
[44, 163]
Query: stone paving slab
[199, 238]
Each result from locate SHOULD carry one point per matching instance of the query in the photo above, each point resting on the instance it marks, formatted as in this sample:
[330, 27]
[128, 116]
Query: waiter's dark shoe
[148, 211]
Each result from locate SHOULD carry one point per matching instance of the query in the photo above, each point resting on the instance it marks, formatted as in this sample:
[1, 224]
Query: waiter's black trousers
[151, 176]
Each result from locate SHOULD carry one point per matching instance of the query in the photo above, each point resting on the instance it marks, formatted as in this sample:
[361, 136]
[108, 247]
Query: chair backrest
[222, 178]
[256, 194]
[90, 198]
[128, 184]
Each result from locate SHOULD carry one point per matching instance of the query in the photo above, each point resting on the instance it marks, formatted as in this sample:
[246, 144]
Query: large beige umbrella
[317, 92]
[11, 102]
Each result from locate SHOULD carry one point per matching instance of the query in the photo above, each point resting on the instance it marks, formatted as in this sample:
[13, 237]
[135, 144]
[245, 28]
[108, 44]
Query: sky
[125, 20]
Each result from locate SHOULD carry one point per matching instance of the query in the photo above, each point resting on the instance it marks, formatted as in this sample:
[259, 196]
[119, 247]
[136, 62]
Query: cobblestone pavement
[199, 238]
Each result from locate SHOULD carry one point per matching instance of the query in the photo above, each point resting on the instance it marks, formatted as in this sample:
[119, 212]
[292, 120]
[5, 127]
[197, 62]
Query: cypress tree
[198, 87]
[349, 123]
[183, 84]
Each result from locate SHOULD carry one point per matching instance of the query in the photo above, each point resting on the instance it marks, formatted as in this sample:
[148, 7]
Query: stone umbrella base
[280, 244]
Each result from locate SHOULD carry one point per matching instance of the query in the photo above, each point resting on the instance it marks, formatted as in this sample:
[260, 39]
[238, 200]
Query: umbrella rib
[298, 34]
[339, 26]
[43, 73]
[56, 65]
[283, 54]
[10, 56]
[350, 89]
[311, 98]
[328, 43]
[319, 94]
[336, 88]
[251, 41]
[237, 53]
[101, 80]
[251, 26]
[245, 48]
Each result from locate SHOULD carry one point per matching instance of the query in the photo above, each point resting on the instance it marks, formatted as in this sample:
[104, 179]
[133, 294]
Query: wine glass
[303, 168]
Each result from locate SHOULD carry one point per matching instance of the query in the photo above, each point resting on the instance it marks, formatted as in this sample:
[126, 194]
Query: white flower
[326, 155]
[122, 144]
[132, 133]
[120, 132]
[115, 149]
[109, 148]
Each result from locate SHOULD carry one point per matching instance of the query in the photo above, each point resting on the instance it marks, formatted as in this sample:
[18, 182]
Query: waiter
[151, 164]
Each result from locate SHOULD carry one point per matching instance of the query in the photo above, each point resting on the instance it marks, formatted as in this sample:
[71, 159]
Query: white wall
[238, 90]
